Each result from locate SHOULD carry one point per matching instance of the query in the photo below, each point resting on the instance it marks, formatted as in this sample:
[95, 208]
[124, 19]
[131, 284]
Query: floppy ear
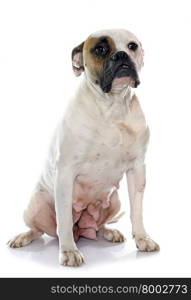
[77, 59]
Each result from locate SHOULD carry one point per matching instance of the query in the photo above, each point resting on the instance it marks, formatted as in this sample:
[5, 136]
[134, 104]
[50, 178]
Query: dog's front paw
[70, 258]
[146, 244]
[113, 235]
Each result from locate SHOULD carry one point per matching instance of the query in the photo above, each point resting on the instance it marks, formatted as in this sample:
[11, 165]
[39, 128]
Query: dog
[102, 136]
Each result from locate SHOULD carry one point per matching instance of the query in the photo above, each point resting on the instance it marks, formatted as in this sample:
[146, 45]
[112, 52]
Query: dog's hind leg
[39, 217]
[112, 235]
[24, 239]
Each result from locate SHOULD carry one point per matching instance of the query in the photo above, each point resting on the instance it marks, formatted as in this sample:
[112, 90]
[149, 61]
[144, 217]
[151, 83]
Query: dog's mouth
[127, 74]
[119, 74]
[123, 71]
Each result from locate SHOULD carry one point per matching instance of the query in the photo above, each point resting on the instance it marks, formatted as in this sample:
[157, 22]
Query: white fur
[101, 137]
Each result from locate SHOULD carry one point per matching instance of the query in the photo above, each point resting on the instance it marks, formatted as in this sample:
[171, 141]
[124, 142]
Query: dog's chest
[117, 145]
[109, 147]
[113, 150]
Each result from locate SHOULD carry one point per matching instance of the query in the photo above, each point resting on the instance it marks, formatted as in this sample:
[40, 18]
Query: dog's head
[110, 58]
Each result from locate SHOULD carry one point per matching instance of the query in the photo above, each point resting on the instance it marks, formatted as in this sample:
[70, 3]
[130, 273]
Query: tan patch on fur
[95, 64]
[134, 102]
[126, 128]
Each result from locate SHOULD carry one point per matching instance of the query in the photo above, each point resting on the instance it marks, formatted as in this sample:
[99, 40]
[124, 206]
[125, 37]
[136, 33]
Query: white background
[36, 81]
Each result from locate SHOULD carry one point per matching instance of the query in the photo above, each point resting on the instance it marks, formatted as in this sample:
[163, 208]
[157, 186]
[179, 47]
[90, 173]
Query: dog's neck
[114, 105]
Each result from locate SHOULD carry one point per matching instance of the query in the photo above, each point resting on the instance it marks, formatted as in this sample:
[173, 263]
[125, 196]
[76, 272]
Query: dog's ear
[77, 59]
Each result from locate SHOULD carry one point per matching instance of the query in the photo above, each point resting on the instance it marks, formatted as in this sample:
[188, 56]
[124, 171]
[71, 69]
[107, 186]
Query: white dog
[102, 136]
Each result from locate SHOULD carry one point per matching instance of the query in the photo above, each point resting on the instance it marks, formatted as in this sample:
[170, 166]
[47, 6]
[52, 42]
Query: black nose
[120, 55]
[137, 82]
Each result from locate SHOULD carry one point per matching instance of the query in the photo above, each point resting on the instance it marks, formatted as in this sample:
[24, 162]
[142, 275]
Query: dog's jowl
[102, 135]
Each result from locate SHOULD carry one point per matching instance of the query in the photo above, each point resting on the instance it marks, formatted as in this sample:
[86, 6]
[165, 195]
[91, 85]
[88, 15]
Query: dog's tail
[116, 218]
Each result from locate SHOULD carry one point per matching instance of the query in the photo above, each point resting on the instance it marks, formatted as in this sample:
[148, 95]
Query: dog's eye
[132, 46]
[100, 51]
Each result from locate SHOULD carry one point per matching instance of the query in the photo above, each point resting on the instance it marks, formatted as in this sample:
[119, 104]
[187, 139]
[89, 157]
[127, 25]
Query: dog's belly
[88, 218]
[92, 208]
[93, 190]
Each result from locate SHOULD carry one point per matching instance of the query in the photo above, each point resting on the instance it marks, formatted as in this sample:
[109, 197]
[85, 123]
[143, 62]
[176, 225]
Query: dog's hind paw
[18, 241]
[113, 235]
[24, 239]
[71, 258]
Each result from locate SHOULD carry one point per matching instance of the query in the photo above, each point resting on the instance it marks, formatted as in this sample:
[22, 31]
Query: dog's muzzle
[118, 65]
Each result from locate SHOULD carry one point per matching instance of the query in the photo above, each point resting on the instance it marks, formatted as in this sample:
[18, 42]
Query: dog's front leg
[69, 254]
[136, 186]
